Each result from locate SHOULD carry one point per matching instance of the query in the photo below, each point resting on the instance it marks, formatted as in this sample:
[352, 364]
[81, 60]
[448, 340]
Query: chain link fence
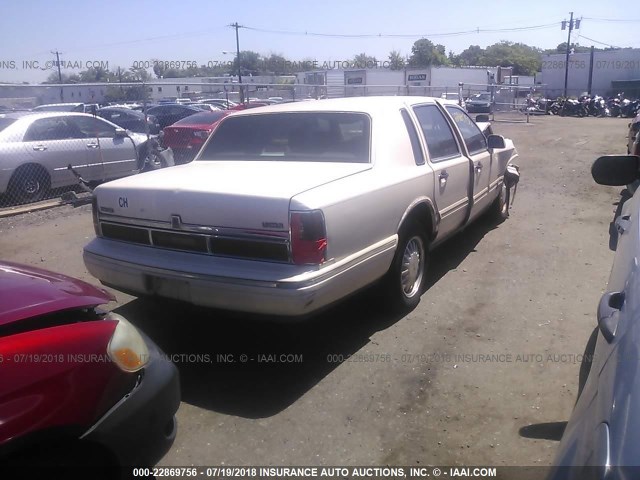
[61, 140]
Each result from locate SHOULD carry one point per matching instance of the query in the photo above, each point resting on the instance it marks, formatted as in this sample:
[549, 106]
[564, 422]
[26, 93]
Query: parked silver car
[600, 440]
[36, 148]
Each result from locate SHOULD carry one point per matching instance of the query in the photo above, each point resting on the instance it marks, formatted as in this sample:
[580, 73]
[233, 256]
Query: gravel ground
[482, 372]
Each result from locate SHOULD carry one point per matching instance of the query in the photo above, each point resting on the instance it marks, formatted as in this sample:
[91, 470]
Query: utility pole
[236, 26]
[57, 54]
[572, 25]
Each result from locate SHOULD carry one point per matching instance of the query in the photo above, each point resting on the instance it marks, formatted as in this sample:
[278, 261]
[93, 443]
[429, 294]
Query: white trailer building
[607, 67]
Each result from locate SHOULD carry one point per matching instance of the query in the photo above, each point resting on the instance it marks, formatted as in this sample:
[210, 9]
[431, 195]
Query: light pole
[571, 25]
[237, 55]
[237, 27]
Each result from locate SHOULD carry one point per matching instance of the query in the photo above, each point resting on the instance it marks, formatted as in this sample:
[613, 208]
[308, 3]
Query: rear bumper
[141, 427]
[233, 284]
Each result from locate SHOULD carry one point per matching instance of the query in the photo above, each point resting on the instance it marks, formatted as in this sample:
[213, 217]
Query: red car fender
[58, 377]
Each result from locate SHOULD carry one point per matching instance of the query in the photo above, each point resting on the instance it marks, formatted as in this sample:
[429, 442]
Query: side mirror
[495, 141]
[615, 170]
[120, 133]
[483, 118]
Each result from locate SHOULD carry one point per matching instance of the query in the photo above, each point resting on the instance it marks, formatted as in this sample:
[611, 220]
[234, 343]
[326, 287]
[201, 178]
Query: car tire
[405, 281]
[499, 210]
[29, 183]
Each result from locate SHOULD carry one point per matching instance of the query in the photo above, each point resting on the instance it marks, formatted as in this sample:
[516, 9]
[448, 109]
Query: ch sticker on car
[123, 202]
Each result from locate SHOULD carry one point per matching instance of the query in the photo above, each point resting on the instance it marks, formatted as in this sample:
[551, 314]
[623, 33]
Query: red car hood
[27, 292]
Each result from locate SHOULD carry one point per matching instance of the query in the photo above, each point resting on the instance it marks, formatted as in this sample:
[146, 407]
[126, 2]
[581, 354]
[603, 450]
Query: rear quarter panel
[367, 207]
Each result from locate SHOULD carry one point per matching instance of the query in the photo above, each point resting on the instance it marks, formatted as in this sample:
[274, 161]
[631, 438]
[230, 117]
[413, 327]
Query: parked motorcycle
[548, 105]
[572, 107]
[629, 108]
[596, 106]
[614, 105]
[533, 107]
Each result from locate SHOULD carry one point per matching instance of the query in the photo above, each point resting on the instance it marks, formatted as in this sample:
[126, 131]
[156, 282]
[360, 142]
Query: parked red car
[253, 104]
[186, 136]
[78, 384]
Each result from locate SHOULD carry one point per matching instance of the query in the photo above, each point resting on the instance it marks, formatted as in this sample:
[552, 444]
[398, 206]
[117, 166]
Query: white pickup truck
[289, 208]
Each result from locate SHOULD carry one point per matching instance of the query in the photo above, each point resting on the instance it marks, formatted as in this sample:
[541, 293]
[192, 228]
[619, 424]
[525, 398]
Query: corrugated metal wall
[335, 83]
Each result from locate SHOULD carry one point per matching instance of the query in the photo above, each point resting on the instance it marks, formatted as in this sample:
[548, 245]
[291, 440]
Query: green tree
[562, 48]
[92, 74]
[362, 60]
[396, 60]
[471, 56]
[424, 53]
[249, 63]
[140, 74]
[277, 64]
[66, 78]
[524, 59]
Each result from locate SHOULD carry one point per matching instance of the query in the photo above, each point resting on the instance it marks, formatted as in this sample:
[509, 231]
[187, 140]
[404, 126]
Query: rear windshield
[202, 118]
[292, 136]
[5, 122]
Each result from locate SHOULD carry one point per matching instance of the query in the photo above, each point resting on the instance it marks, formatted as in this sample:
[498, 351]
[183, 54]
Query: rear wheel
[29, 183]
[405, 280]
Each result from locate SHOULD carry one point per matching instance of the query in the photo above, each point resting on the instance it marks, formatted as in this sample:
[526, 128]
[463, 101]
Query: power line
[625, 20]
[151, 39]
[402, 35]
[598, 42]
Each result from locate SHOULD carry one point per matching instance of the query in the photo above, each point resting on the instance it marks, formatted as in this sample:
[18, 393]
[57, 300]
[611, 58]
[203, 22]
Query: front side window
[92, 127]
[474, 138]
[441, 142]
[303, 137]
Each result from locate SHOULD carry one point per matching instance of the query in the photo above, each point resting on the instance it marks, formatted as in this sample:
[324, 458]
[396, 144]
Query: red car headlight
[127, 349]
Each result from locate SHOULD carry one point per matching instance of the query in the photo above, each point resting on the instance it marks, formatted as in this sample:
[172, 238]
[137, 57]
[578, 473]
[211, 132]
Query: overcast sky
[121, 32]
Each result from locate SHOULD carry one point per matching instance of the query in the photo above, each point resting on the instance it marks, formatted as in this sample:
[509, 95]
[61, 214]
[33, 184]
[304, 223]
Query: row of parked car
[37, 146]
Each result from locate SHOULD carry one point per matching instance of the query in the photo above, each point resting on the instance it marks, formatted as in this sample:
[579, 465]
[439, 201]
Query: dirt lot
[472, 376]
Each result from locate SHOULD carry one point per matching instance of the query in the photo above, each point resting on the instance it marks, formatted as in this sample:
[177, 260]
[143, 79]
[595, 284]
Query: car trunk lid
[234, 194]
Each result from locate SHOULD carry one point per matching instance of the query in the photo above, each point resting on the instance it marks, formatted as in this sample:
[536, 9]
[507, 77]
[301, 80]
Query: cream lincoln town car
[291, 207]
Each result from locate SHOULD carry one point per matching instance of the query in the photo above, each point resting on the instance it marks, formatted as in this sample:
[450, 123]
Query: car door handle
[92, 145]
[608, 314]
[39, 148]
[479, 167]
[443, 178]
[623, 223]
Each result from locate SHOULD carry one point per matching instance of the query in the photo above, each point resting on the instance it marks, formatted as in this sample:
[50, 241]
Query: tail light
[202, 134]
[94, 214]
[308, 238]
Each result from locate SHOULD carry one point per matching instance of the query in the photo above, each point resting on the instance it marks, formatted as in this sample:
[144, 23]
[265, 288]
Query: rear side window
[474, 138]
[53, 128]
[292, 136]
[413, 137]
[441, 142]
